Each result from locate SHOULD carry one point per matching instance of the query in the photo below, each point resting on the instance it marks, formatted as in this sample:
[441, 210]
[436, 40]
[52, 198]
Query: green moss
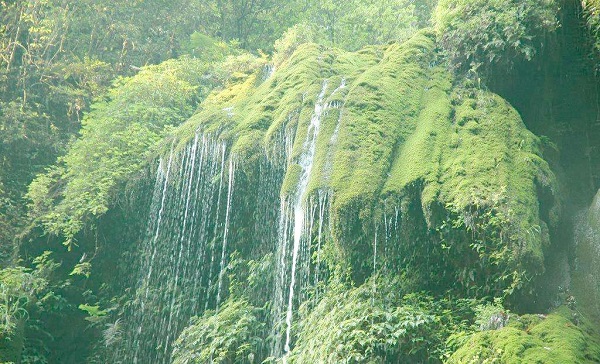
[473, 157]
[290, 182]
[560, 337]
[282, 105]
[419, 155]
[381, 109]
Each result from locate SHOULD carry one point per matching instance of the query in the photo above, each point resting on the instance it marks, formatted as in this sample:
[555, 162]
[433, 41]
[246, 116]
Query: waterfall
[212, 255]
[200, 205]
[187, 229]
[323, 197]
[301, 231]
[225, 231]
[306, 162]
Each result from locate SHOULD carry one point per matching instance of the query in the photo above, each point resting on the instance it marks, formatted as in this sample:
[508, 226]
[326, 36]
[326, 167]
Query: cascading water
[300, 216]
[225, 230]
[306, 162]
[186, 231]
[195, 223]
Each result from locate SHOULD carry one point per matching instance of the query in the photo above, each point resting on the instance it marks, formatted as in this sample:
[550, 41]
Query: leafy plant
[376, 323]
[592, 14]
[491, 316]
[355, 24]
[83, 269]
[231, 335]
[95, 313]
[20, 288]
[480, 34]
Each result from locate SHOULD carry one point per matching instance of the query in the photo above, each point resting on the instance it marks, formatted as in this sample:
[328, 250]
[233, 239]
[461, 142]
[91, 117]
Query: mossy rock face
[560, 337]
[586, 277]
[453, 166]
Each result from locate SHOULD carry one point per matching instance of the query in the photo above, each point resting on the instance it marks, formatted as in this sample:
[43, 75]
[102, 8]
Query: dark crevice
[558, 97]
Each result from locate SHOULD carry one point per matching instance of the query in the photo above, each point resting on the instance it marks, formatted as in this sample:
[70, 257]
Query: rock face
[341, 164]
[586, 275]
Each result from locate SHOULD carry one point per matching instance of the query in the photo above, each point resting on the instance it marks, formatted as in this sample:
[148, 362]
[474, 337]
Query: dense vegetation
[441, 183]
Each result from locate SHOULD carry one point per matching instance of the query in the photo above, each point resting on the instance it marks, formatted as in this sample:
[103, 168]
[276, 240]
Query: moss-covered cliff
[400, 139]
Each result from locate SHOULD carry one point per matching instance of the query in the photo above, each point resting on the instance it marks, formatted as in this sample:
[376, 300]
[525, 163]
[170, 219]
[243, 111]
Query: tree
[355, 24]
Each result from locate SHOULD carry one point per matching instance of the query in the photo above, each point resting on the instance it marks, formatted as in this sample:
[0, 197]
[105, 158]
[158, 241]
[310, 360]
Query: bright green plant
[17, 288]
[231, 335]
[20, 288]
[95, 313]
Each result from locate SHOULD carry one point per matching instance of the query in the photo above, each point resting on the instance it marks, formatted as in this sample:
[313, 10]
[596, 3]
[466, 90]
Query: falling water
[268, 71]
[194, 222]
[182, 245]
[225, 230]
[212, 255]
[186, 231]
[301, 219]
[306, 162]
[322, 205]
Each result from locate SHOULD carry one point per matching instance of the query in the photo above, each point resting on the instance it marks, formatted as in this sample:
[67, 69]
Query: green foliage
[289, 42]
[231, 335]
[376, 323]
[255, 24]
[56, 56]
[250, 278]
[206, 48]
[18, 286]
[480, 35]
[83, 269]
[95, 314]
[22, 292]
[490, 316]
